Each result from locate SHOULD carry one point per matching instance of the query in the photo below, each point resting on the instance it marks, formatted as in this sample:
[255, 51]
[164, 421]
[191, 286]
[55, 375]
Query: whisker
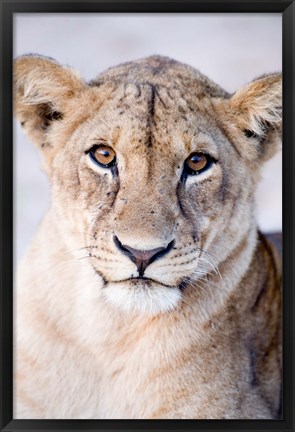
[100, 258]
[194, 286]
[186, 302]
[208, 284]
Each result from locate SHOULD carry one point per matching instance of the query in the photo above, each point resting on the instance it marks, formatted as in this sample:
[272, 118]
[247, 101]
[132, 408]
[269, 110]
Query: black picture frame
[8, 8]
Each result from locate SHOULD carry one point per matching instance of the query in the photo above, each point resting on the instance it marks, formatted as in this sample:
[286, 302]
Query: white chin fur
[151, 300]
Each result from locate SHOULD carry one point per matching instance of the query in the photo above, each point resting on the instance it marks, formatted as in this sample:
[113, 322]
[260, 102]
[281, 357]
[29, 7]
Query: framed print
[146, 187]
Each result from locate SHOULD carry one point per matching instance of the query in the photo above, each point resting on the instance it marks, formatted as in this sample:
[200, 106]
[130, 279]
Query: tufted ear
[42, 89]
[253, 117]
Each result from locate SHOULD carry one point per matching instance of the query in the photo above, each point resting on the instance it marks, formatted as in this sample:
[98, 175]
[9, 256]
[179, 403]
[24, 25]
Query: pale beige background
[231, 49]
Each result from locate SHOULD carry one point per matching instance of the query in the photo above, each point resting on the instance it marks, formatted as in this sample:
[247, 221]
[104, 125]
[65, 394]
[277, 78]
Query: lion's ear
[42, 89]
[254, 117]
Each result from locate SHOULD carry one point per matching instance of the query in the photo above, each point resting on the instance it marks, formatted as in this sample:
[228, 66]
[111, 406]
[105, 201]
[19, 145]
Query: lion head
[153, 169]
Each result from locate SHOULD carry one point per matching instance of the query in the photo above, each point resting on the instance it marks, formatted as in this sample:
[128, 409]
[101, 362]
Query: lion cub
[148, 292]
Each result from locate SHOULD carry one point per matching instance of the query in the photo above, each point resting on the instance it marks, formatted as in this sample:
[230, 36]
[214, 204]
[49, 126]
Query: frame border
[7, 8]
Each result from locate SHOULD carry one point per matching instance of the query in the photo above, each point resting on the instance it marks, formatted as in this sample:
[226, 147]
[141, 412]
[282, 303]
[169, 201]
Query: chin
[142, 296]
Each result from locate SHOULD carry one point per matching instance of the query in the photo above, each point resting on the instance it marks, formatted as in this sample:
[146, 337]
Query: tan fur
[200, 337]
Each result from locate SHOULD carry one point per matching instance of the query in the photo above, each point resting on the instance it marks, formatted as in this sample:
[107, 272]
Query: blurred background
[231, 49]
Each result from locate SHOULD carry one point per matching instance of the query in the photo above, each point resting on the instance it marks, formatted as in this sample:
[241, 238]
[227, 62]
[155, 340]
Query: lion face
[153, 169]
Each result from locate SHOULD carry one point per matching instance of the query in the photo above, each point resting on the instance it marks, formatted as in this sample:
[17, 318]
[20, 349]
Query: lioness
[148, 292]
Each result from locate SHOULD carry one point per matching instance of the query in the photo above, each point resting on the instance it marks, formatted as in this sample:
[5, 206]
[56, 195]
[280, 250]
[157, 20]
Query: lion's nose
[142, 258]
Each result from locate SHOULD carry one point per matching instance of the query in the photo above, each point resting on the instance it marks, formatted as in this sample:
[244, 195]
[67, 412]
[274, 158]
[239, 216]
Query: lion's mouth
[142, 281]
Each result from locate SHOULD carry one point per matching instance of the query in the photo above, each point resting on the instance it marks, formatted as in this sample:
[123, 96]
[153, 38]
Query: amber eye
[197, 163]
[103, 155]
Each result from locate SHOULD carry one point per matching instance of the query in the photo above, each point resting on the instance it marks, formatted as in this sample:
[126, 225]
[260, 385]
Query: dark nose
[142, 258]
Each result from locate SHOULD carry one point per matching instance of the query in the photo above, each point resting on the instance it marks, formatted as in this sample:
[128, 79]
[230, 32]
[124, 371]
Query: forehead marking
[150, 115]
[151, 112]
